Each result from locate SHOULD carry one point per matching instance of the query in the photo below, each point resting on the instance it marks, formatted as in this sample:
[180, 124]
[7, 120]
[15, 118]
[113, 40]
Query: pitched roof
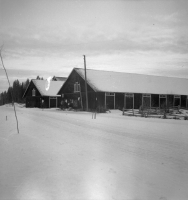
[41, 85]
[59, 78]
[108, 81]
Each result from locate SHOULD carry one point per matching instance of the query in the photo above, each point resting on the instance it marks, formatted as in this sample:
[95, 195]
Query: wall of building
[32, 101]
[36, 102]
[154, 101]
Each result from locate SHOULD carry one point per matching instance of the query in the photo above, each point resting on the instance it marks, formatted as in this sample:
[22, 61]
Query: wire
[10, 90]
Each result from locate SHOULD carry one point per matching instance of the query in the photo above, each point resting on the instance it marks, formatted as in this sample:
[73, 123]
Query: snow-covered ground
[69, 155]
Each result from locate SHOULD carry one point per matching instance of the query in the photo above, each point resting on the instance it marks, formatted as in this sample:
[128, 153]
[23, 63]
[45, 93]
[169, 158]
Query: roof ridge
[135, 73]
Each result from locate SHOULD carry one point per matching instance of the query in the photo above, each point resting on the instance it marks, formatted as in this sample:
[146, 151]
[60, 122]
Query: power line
[10, 91]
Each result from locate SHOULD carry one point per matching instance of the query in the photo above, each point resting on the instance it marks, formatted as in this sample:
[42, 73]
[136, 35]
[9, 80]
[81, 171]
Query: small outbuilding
[43, 94]
[118, 90]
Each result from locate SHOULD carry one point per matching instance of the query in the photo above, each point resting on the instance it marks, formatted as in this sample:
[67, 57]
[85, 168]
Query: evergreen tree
[39, 78]
[17, 91]
[5, 97]
[9, 95]
[25, 84]
[1, 99]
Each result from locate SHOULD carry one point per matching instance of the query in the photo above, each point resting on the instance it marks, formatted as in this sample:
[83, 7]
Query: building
[116, 90]
[41, 93]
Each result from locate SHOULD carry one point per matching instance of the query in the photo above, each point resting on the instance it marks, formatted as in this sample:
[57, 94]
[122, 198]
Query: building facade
[43, 94]
[116, 90]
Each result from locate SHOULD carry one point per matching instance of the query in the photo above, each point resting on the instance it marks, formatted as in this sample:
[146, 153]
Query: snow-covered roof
[53, 89]
[46, 89]
[108, 81]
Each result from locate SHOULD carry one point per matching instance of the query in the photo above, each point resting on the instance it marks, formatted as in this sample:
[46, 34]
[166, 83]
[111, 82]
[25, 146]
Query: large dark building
[115, 90]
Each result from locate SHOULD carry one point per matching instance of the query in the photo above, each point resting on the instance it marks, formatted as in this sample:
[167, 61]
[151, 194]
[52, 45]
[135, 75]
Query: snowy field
[68, 155]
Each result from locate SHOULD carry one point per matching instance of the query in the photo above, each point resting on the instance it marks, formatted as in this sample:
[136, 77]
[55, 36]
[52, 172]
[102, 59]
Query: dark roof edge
[66, 80]
[26, 89]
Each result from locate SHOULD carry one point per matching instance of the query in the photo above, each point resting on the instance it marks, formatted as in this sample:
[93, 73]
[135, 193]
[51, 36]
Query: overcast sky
[50, 37]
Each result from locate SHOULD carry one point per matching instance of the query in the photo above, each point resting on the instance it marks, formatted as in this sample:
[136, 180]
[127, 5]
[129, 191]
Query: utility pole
[86, 83]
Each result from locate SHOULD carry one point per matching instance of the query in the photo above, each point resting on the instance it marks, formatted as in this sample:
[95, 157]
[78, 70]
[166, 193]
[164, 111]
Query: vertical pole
[125, 101]
[96, 105]
[105, 100]
[86, 84]
[124, 105]
[173, 101]
[114, 101]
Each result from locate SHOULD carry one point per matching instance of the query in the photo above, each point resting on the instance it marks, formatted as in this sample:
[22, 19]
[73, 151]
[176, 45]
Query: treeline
[17, 90]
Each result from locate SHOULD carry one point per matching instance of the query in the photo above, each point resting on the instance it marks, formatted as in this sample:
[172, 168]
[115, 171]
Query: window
[76, 87]
[177, 96]
[129, 95]
[33, 92]
[110, 94]
[146, 95]
[162, 96]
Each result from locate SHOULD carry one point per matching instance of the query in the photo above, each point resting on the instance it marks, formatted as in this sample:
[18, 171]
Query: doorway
[52, 102]
[162, 101]
[110, 100]
[129, 101]
[177, 101]
[146, 100]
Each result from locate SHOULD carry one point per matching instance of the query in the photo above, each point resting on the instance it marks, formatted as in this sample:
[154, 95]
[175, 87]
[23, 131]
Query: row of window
[149, 95]
[144, 95]
[77, 89]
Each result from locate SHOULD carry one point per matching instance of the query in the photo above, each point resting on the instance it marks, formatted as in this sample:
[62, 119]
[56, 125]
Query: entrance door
[110, 100]
[177, 100]
[129, 101]
[162, 101]
[146, 100]
[53, 102]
